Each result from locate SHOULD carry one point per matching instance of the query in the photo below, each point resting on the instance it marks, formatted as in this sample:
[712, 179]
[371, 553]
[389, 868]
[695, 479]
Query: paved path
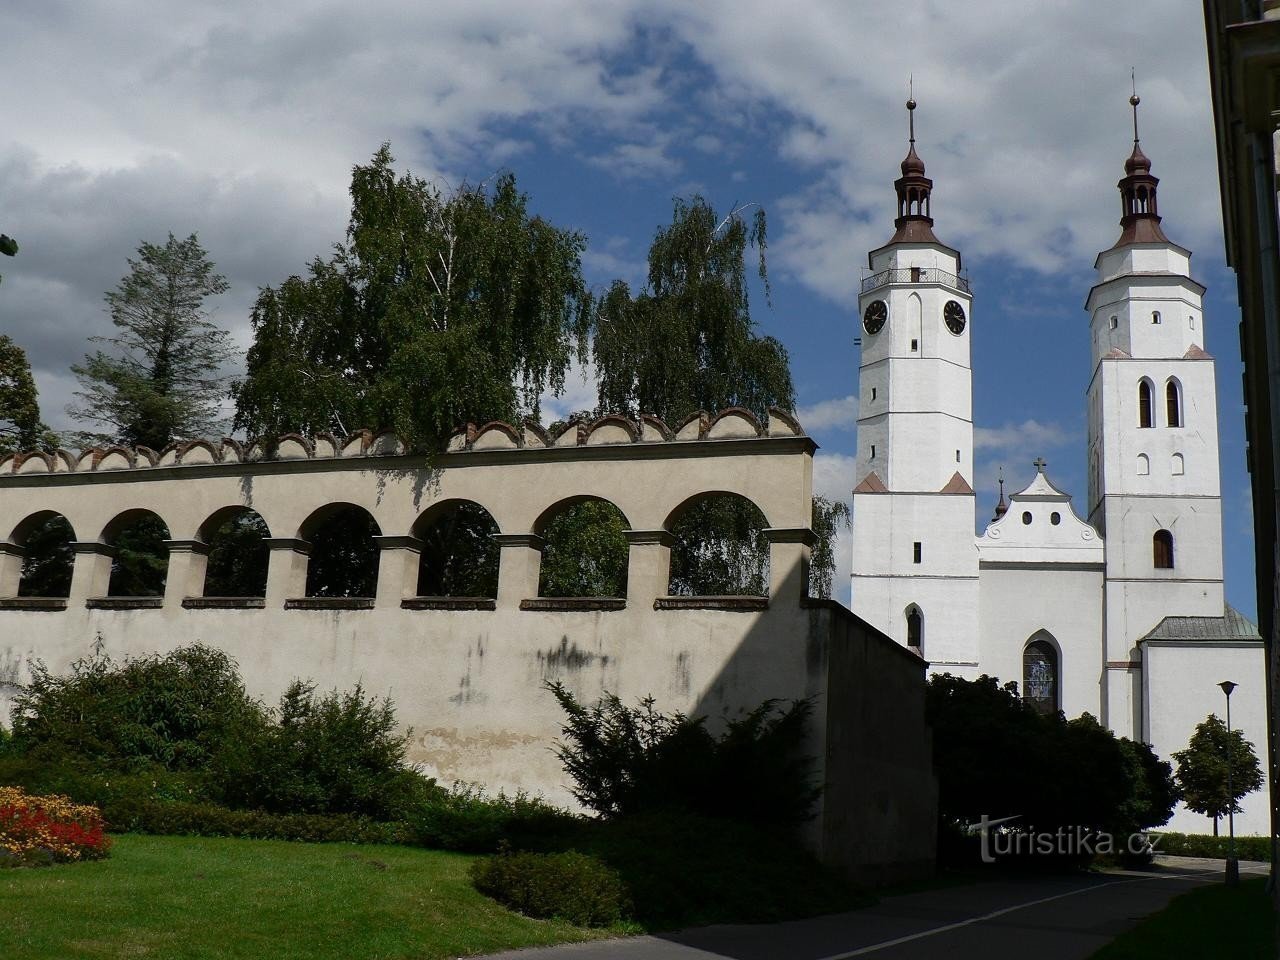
[1046, 918]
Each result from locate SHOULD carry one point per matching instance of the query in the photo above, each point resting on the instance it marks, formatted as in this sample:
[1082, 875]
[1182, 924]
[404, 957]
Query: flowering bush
[33, 827]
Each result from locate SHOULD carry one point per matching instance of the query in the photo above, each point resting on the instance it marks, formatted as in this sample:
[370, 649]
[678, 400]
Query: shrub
[1203, 845]
[627, 760]
[64, 830]
[554, 886]
[465, 819]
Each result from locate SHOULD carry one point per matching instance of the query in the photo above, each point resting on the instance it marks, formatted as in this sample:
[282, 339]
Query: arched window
[459, 555]
[1177, 466]
[47, 557]
[585, 550]
[140, 565]
[915, 627]
[720, 548]
[1162, 550]
[1145, 415]
[344, 555]
[1173, 403]
[1040, 676]
[1155, 316]
[1144, 465]
[238, 553]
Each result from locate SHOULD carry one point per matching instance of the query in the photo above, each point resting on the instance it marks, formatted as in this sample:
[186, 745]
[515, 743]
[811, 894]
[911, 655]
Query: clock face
[953, 314]
[876, 314]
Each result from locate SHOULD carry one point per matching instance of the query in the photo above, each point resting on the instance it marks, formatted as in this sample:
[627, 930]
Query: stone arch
[343, 554]
[1042, 673]
[45, 538]
[140, 555]
[238, 553]
[584, 548]
[459, 557]
[720, 547]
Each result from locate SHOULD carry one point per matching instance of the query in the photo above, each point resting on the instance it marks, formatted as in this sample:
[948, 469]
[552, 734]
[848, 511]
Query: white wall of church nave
[1016, 605]
[1181, 688]
[949, 614]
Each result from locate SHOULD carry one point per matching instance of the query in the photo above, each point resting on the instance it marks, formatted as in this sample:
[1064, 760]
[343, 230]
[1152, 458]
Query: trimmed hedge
[1202, 845]
[210, 820]
[555, 886]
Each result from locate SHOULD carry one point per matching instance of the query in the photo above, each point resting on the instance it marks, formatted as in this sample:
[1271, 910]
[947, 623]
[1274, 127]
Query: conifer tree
[162, 378]
[20, 426]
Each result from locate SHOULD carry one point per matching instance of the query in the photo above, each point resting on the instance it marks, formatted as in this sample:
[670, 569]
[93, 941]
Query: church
[1114, 607]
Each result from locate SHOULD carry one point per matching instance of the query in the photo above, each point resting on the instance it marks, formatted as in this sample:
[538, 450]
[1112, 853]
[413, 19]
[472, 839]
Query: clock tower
[915, 564]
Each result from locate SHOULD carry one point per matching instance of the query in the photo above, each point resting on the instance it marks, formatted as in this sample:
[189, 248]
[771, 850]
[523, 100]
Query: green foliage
[1203, 768]
[1217, 848]
[554, 886]
[720, 549]
[339, 753]
[437, 310]
[178, 710]
[20, 425]
[141, 561]
[828, 517]
[238, 557]
[344, 555]
[628, 760]
[686, 342]
[1155, 792]
[161, 380]
[585, 552]
[465, 819]
[47, 559]
[459, 554]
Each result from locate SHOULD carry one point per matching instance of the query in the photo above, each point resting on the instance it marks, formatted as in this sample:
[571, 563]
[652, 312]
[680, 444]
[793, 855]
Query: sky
[241, 122]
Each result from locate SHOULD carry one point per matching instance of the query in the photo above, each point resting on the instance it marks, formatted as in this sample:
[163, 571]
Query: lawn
[189, 897]
[1208, 923]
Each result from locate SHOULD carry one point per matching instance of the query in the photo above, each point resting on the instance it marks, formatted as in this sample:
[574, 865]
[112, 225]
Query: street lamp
[1233, 864]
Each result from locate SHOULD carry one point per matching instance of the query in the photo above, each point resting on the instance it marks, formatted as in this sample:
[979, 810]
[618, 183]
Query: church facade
[1116, 610]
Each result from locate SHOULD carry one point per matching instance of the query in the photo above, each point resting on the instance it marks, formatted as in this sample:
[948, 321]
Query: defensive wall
[468, 673]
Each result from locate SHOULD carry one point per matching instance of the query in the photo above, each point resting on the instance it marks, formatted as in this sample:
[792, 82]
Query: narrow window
[1144, 465]
[1144, 403]
[1176, 466]
[915, 627]
[1155, 316]
[873, 393]
[915, 345]
[1162, 550]
[916, 552]
[1173, 403]
[957, 456]
[1115, 322]
[1026, 517]
[873, 451]
[1040, 677]
[1191, 321]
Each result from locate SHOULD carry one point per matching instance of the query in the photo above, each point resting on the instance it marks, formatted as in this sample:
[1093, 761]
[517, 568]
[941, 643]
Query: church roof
[1040, 489]
[1232, 625]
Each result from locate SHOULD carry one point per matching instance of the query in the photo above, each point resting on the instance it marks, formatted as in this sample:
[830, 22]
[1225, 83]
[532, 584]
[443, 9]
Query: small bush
[1203, 845]
[63, 830]
[554, 886]
[465, 819]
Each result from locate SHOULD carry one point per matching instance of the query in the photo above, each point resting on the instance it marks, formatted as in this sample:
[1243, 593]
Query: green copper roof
[1232, 625]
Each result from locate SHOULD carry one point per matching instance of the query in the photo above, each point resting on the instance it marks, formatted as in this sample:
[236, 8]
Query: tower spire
[913, 224]
[1001, 507]
[1139, 218]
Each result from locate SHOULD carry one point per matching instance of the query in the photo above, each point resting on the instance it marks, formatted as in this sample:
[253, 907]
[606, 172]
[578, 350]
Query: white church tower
[1153, 442]
[915, 566]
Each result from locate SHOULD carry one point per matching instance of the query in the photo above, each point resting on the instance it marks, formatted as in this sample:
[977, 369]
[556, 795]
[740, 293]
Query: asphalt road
[1046, 918]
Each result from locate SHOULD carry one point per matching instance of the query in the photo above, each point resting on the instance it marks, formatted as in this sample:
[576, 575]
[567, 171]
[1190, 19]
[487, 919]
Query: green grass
[188, 897]
[1208, 923]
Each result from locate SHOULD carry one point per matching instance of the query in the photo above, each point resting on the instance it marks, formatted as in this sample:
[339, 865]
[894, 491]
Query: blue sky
[242, 124]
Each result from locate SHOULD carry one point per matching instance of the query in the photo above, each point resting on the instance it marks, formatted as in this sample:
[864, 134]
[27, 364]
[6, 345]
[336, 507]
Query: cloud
[833, 475]
[1030, 437]
[838, 413]
[579, 394]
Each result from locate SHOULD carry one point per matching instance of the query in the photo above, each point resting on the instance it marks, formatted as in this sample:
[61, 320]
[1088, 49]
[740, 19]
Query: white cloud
[1030, 437]
[833, 475]
[838, 413]
[579, 394]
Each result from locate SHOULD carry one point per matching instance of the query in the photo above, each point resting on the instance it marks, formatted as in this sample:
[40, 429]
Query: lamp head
[1227, 686]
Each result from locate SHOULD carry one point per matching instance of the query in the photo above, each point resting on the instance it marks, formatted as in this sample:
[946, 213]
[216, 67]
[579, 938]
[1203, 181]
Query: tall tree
[687, 341]
[438, 309]
[20, 426]
[162, 380]
[1202, 770]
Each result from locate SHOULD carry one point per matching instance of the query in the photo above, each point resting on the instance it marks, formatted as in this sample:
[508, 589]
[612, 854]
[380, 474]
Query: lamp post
[1233, 864]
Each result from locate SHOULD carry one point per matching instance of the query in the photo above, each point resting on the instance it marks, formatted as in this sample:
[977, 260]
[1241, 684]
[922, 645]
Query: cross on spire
[1039, 464]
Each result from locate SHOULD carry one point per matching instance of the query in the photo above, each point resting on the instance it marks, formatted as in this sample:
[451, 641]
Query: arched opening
[344, 556]
[720, 548]
[1173, 403]
[915, 628]
[1162, 550]
[1040, 676]
[1145, 416]
[1177, 465]
[47, 556]
[585, 549]
[459, 555]
[238, 553]
[1144, 465]
[140, 559]
[915, 320]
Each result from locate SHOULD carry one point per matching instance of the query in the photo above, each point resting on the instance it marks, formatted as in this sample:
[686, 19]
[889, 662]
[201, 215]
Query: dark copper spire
[1140, 221]
[1001, 508]
[914, 225]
